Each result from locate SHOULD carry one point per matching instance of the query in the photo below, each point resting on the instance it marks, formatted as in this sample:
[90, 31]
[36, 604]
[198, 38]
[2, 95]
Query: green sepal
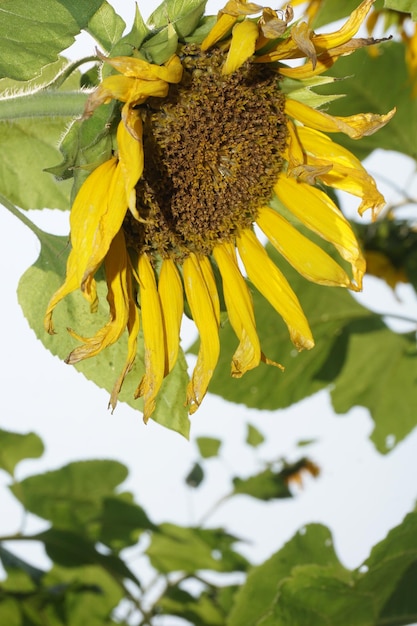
[106, 26]
[302, 90]
[183, 15]
[134, 39]
[160, 47]
[204, 27]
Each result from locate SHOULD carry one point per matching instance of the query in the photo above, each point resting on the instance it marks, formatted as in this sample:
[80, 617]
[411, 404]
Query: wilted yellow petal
[347, 31]
[301, 34]
[242, 47]
[240, 310]
[226, 18]
[347, 172]
[206, 315]
[172, 305]
[153, 337]
[170, 72]
[272, 284]
[130, 153]
[316, 210]
[116, 268]
[305, 256]
[355, 126]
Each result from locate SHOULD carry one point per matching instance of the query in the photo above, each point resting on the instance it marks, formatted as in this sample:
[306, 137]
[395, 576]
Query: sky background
[360, 494]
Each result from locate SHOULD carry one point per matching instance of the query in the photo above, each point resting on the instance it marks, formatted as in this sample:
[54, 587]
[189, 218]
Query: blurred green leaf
[9, 611]
[36, 288]
[15, 447]
[208, 446]
[106, 26]
[21, 576]
[377, 84]
[349, 339]
[33, 34]
[182, 549]
[330, 11]
[406, 6]
[254, 437]
[183, 14]
[199, 611]
[121, 521]
[71, 496]
[266, 485]
[195, 477]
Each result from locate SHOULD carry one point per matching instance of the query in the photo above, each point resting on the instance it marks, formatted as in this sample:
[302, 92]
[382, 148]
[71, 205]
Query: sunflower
[205, 140]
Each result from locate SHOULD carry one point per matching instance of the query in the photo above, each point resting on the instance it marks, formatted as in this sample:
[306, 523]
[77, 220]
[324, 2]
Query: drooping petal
[347, 172]
[272, 284]
[316, 210]
[87, 212]
[355, 126]
[206, 316]
[153, 337]
[301, 33]
[130, 153]
[240, 310]
[305, 256]
[172, 305]
[116, 267]
[242, 47]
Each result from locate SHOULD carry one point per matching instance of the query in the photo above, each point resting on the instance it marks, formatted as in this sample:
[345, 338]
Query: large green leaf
[183, 14]
[121, 521]
[106, 26]
[305, 584]
[70, 497]
[406, 6]
[14, 447]
[366, 363]
[34, 33]
[377, 84]
[35, 289]
[188, 550]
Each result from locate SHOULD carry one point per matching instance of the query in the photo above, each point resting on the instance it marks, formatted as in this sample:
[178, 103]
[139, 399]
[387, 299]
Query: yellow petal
[301, 35]
[171, 71]
[242, 47]
[304, 255]
[206, 316]
[347, 31]
[153, 337]
[240, 310]
[316, 210]
[226, 18]
[268, 279]
[116, 268]
[355, 126]
[130, 153]
[87, 212]
[347, 172]
[172, 305]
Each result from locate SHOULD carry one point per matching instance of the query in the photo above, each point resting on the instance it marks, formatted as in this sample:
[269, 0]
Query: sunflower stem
[45, 103]
[21, 216]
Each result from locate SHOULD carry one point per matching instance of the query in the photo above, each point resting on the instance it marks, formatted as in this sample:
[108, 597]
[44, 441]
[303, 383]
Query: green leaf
[254, 600]
[267, 485]
[106, 26]
[15, 447]
[70, 497]
[10, 612]
[35, 289]
[349, 339]
[121, 522]
[377, 85]
[405, 6]
[33, 34]
[254, 437]
[93, 607]
[70, 549]
[134, 38]
[21, 576]
[188, 550]
[200, 611]
[208, 446]
[183, 14]
[195, 477]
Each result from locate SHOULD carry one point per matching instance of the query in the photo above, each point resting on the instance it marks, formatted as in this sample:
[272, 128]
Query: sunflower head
[219, 138]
